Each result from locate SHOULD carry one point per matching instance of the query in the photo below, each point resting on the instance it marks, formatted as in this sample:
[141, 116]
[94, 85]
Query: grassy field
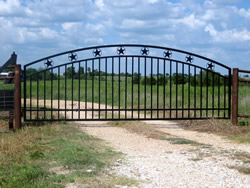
[54, 155]
[127, 94]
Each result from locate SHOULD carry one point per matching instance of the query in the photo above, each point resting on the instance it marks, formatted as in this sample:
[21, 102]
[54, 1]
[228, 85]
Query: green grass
[28, 157]
[69, 89]
[117, 93]
[241, 139]
[180, 141]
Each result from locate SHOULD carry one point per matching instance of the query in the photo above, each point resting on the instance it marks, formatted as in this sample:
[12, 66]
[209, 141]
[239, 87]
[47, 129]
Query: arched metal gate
[126, 82]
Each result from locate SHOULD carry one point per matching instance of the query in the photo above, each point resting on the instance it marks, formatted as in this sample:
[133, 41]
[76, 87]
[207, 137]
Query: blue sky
[218, 29]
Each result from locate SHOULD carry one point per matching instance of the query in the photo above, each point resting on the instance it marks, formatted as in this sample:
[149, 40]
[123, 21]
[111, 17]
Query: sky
[217, 29]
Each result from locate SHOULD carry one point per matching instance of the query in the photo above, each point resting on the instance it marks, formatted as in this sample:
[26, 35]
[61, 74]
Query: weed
[27, 157]
[175, 140]
[241, 169]
[240, 134]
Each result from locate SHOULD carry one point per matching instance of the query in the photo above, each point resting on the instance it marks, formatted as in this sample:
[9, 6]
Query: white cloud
[99, 3]
[132, 24]
[152, 1]
[245, 13]
[191, 21]
[209, 15]
[227, 36]
[50, 25]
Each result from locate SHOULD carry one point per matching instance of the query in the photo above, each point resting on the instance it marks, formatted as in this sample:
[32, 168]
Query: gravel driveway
[158, 163]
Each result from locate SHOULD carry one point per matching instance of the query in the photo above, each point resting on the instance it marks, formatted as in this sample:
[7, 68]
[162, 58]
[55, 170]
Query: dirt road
[158, 163]
[213, 162]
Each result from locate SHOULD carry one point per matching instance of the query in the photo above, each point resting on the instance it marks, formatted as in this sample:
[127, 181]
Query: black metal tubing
[134, 56]
[128, 45]
[122, 111]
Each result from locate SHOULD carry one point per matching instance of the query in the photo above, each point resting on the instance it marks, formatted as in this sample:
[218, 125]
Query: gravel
[157, 163]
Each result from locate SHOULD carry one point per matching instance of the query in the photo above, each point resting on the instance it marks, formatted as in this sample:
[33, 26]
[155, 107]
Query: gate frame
[235, 97]
[191, 55]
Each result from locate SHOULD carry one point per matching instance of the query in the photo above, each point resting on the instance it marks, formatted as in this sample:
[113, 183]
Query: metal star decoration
[167, 54]
[210, 66]
[121, 50]
[73, 57]
[48, 63]
[97, 52]
[144, 51]
[189, 59]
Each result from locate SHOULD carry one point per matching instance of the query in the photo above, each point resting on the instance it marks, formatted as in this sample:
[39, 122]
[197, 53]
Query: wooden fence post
[17, 97]
[235, 96]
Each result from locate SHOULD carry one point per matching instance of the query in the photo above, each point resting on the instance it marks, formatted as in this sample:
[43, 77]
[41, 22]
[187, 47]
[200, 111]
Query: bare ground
[160, 163]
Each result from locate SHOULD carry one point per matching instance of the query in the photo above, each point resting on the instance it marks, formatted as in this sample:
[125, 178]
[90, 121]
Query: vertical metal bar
[93, 79]
[126, 86]
[51, 112]
[151, 88]
[72, 91]
[189, 92]
[132, 105]
[164, 88]
[119, 78]
[86, 88]
[44, 94]
[213, 94]
[176, 94]
[11, 127]
[235, 97]
[195, 92]
[17, 97]
[65, 87]
[99, 88]
[219, 96]
[182, 90]
[106, 88]
[79, 89]
[30, 97]
[170, 92]
[139, 87]
[157, 88]
[229, 92]
[145, 91]
[112, 87]
[58, 79]
[25, 96]
[207, 94]
[224, 97]
[37, 98]
[200, 92]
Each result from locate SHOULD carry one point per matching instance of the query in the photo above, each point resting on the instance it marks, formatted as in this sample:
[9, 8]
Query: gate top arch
[129, 50]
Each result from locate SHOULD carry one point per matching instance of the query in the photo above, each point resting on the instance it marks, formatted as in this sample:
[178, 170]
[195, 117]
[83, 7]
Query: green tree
[70, 72]
[136, 78]
[148, 80]
[161, 80]
[180, 78]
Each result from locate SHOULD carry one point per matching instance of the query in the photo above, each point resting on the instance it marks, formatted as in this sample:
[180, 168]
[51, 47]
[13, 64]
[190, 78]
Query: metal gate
[126, 82]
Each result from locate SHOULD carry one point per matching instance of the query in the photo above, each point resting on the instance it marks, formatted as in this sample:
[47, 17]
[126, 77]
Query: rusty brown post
[235, 97]
[17, 97]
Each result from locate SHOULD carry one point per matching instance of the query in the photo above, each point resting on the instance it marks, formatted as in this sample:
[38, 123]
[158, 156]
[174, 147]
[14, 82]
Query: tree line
[204, 78]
